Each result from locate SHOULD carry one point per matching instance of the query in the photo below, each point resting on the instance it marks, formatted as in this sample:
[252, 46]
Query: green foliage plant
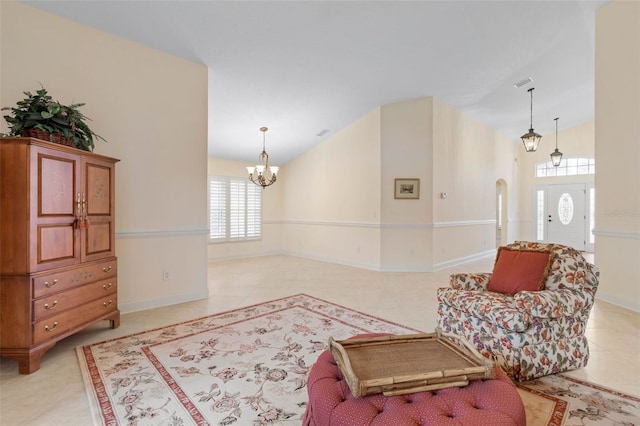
[42, 112]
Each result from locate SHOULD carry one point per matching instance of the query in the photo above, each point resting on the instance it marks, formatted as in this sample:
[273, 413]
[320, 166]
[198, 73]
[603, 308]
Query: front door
[566, 215]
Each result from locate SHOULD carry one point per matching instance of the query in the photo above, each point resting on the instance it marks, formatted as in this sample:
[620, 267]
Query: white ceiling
[299, 67]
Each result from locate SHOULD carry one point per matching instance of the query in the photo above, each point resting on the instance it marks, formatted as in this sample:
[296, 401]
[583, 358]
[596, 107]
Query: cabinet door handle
[106, 268]
[78, 210]
[82, 222]
[84, 208]
[47, 307]
[107, 286]
[107, 304]
[48, 284]
[85, 219]
[47, 328]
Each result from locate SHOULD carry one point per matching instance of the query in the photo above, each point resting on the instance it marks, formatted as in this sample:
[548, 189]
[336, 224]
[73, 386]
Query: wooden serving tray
[396, 365]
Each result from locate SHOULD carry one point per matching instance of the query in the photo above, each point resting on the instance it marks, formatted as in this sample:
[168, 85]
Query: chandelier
[556, 155]
[266, 174]
[531, 139]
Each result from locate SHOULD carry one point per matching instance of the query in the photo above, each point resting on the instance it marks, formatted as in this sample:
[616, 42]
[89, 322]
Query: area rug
[562, 400]
[249, 366]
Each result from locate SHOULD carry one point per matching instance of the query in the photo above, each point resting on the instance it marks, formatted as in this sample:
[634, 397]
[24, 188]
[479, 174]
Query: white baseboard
[144, 305]
[466, 259]
[406, 268]
[361, 265]
[243, 256]
[618, 301]
[366, 265]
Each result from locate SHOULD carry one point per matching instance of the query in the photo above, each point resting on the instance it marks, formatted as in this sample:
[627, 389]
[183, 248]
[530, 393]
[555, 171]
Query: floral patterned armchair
[530, 333]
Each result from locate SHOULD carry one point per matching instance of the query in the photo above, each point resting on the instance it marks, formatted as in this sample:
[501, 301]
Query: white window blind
[235, 209]
[217, 208]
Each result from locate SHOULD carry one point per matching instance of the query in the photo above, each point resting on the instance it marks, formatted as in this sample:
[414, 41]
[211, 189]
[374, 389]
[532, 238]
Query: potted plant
[42, 117]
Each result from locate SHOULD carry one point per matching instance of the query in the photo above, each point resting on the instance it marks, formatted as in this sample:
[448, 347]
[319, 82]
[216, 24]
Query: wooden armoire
[58, 268]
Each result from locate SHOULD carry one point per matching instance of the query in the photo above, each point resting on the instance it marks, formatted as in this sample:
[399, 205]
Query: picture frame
[407, 189]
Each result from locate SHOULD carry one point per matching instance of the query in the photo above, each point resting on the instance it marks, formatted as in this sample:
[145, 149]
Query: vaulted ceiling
[301, 67]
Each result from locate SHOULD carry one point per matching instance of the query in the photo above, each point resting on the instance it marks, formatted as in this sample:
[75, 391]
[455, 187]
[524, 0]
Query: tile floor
[54, 395]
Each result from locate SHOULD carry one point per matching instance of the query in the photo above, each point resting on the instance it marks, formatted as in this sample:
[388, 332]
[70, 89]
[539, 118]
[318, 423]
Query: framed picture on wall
[407, 189]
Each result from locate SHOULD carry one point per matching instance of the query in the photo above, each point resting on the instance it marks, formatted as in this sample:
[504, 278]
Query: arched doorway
[502, 216]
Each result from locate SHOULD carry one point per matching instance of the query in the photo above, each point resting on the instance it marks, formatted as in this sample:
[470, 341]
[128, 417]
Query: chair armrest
[553, 303]
[496, 309]
[470, 281]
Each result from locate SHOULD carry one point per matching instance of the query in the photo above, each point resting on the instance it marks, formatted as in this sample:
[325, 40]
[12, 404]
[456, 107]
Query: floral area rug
[246, 367]
[249, 366]
[562, 400]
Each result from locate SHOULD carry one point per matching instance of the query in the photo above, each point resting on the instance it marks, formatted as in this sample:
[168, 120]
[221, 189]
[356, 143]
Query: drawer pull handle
[107, 304]
[46, 327]
[48, 284]
[47, 307]
[107, 286]
[106, 268]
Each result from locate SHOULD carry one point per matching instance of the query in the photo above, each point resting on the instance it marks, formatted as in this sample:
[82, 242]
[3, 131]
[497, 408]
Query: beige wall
[337, 200]
[331, 197]
[617, 135]
[152, 109]
[325, 204]
[464, 167]
[508, 177]
[407, 152]
[450, 153]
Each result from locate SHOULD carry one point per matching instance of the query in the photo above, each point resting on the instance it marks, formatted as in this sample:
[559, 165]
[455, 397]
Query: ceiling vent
[523, 82]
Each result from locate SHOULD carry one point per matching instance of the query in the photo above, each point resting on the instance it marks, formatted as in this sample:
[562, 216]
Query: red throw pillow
[519, 270]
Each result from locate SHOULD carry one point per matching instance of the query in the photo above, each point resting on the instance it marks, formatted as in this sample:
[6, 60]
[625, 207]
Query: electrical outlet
[165, 275]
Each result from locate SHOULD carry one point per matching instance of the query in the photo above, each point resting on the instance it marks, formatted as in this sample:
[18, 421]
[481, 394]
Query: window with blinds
[235, 209]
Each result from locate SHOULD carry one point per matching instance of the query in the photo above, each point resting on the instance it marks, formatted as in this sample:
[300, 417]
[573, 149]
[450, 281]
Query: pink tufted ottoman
[482, 402]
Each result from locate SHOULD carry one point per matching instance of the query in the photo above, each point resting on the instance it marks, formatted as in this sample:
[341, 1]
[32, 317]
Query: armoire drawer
[59, 302]
[53, 282]
[56, 325]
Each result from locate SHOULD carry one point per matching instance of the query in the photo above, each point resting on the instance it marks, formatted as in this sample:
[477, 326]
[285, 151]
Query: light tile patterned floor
[54, 395]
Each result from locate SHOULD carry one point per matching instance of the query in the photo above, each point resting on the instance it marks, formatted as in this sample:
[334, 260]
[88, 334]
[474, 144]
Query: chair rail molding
[458, 223]
[616, 234]
[161, 233]
[354, 224]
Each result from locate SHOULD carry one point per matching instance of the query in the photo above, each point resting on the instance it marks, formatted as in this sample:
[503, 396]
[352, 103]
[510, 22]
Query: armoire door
[55, 183]
[98, 209]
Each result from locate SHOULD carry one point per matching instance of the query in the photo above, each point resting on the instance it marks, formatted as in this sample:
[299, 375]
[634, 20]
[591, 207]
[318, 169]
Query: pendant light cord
[264, 137]
[531, 108]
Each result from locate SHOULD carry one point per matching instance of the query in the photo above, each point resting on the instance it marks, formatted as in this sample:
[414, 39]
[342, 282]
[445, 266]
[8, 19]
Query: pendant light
[556, 155]
[266, 174]
[531, 139]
